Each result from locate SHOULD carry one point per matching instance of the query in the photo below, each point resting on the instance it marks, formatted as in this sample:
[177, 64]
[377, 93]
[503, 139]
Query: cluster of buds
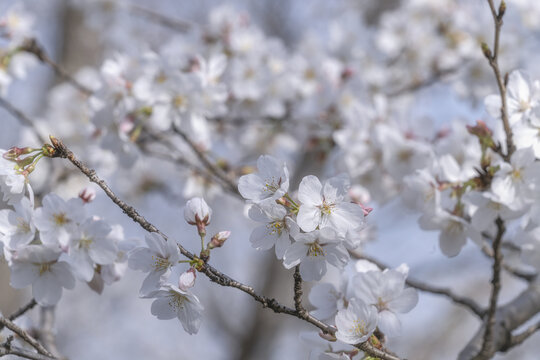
[198, 213]
[24, 165]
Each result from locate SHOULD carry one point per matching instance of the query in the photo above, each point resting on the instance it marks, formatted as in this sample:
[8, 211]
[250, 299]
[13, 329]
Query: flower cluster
[310, 232]
[48, 247]
[165, 282]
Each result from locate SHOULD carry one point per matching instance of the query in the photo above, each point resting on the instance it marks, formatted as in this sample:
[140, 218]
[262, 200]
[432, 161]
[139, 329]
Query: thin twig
[458, 299]
[163, 20]
[23, 119]
[214, 275]
[423, 83]
[492, 57]
[518, 339]
[214, 170]
[32, 46]
[487, 346]
[17, 351]
[178, 159]
[25, 336]
[22, 311]
[524, 275]
[298, 290]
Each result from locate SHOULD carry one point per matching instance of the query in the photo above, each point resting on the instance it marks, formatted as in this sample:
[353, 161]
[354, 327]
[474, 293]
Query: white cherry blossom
[38, 265]
[276, 230]
[171, 302]
[156, 259]
[385, 290]
[327, 206]
[17, 227]
[271, 181]
[313, 250]
[356, 323]
[57, 219]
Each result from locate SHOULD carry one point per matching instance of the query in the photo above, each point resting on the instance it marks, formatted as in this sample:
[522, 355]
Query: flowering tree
[303, 140]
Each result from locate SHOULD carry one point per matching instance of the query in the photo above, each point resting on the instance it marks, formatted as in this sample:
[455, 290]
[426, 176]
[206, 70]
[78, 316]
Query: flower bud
[187, 279]
[14, 152]
[197, 212]
[87, 195]
[219, 239]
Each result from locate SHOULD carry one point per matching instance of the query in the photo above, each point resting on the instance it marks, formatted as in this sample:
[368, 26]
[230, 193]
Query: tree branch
[507, 318]
[298, 291]
[214, 170]
[214, 275]
[25, 336]
[487, 346]
[163, 20]
[23, 119]
[517, 339]
[32, 46]
[494, 63]
[17, 351]
[21, 311]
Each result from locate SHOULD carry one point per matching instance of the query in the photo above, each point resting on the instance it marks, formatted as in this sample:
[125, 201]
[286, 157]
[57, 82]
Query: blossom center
[326, 208]
[524, 105]
[272, 186]
[359, 327]
[60, 219]
[176, 301]
[315, 249]
[85, 242]
[160, 263]
[23, 226]
[517, 175]
[180, 101]
[275, 227]
[43, 268]
[381, 304]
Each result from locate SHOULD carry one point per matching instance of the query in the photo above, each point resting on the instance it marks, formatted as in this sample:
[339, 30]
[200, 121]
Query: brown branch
[25, 336]
[22, 310]
[17, 351]
[508, 318]
[419, 84]
[488, 345]
[524, 275]
[32, 46]
[298, 291]
[170, 156]
[214, 275]
[458, 299]
[518, 339]
[23, 119]
[214, 170]
[163, 20]
[492, 57]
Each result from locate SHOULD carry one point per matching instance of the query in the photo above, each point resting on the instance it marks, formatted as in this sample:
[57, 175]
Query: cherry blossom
[171, 302]
[38, 266]
[356, 323]
[327, 206]
[271, 182]
[156, 259]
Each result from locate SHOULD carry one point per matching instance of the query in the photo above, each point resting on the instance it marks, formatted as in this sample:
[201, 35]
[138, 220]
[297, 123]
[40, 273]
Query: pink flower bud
[87, 195]
[197, 212]
[187, 279]
[219, 239]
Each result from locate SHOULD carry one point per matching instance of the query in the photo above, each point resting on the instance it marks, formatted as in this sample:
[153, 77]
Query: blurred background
[118, 325]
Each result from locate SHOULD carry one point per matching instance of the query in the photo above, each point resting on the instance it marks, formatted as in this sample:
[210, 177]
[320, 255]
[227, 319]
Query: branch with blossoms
[321, 244]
